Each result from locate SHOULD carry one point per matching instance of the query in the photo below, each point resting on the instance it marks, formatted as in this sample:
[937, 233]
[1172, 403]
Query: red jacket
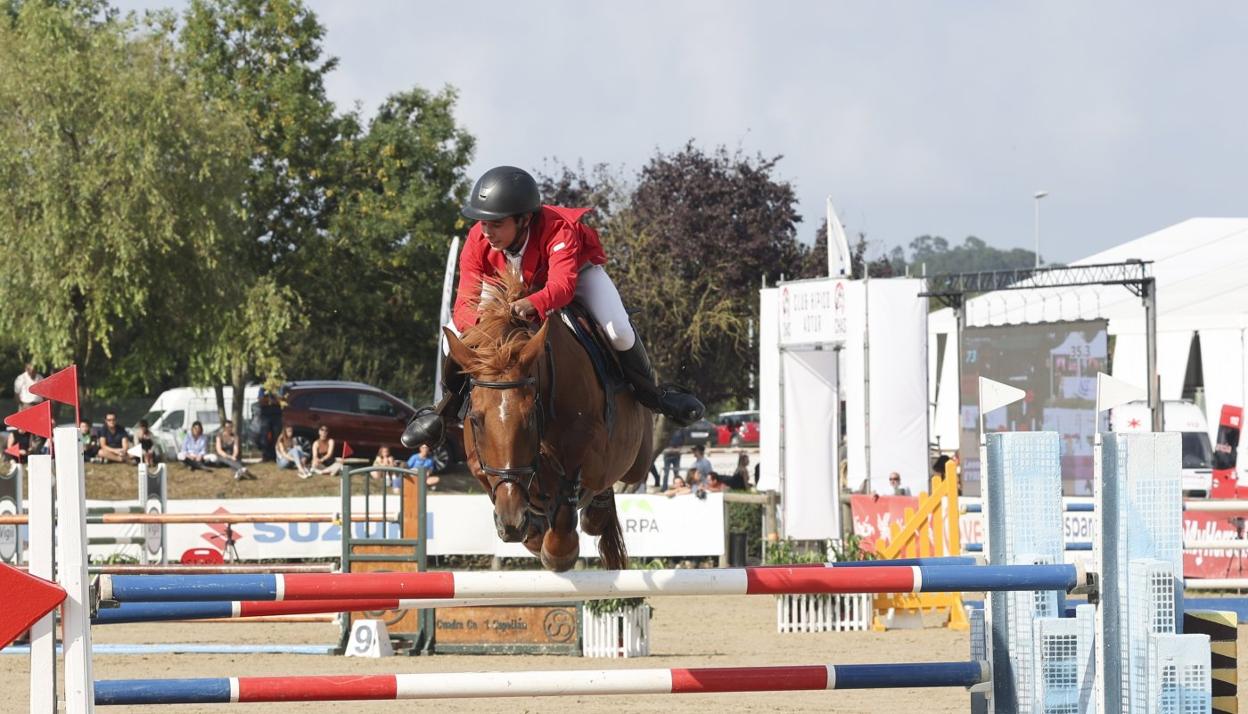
[559, 245]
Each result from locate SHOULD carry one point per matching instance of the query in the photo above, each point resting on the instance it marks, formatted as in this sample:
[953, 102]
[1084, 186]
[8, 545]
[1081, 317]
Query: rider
[561, 259]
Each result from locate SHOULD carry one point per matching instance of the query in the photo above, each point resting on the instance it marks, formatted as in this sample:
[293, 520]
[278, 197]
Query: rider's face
[502, 234]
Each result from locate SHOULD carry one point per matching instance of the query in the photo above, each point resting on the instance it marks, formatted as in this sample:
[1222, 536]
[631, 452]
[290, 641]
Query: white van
[171, 415]
[1185, 418]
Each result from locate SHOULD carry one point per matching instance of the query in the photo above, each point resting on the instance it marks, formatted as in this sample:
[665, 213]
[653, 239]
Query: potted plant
[619, 627]
[820, 613]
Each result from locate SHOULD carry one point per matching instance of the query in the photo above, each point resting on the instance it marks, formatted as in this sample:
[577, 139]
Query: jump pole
[588, 584]
[539, 683]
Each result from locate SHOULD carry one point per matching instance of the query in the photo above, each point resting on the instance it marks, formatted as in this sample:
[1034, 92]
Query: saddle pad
[601, 356]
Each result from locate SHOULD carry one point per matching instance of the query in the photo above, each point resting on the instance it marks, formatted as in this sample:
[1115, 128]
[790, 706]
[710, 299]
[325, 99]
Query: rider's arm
[472, 270]
[563, 255]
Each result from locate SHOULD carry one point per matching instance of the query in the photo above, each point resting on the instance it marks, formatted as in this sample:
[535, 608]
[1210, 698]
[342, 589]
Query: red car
[362, 415]
[736, 428]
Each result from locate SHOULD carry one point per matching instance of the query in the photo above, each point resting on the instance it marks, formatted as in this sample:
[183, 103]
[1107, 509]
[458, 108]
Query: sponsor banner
[813, 312]
[654, 526]
[874, 515]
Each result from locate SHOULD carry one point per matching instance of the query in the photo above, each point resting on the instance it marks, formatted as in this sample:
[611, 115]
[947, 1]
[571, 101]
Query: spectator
[671, 458]
[894, 483]
[194, 451]
[21, 387]
[714, 484]
[323, 460]
[422, 462]
[695, 482]
[90, 442]
[740, 479]
[21, 444]
[269, 407]
[383, 458]
[289, 454]
[701, 463]
[227, 449]
[678, 487]
[938, 470]
[144, 448]
[114, 440]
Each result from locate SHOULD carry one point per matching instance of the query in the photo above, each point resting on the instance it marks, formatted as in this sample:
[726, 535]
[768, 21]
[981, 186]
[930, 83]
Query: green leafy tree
[395, 209]
[120, 184]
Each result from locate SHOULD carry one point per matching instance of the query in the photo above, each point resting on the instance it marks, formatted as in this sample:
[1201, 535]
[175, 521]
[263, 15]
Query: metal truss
[952, 288]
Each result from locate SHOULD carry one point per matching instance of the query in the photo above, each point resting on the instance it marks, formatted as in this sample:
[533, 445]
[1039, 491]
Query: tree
[120, 182]
[933, 255]
[395, 209]
[691, 250]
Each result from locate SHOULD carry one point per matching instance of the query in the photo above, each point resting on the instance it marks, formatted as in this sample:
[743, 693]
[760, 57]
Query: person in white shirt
[21, 387]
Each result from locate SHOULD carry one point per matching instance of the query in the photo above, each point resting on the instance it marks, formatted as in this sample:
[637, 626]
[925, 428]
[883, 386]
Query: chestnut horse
[535, 433]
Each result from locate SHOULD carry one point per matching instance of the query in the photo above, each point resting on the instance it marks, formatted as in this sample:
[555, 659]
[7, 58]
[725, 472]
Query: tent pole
[1149, 289]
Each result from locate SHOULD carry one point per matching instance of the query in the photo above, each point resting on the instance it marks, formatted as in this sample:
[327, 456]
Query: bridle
[514, 474]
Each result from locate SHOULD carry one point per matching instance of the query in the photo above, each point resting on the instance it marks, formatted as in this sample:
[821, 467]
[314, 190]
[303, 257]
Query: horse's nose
[509, 533]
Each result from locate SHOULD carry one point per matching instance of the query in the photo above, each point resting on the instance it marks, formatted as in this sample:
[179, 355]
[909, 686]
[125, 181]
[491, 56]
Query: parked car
[736, 428]
[701, 432]
[362, 415]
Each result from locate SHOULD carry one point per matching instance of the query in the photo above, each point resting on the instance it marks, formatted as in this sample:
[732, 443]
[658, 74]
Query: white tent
[827, 342]
[1201, 271]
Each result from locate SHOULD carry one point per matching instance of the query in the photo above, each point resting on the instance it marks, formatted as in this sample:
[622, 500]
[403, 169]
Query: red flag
[346, 449]
[36, 420]
[27, 599]
[60, 387]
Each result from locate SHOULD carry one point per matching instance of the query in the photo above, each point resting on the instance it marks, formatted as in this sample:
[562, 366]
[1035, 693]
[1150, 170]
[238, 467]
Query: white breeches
[598, 294]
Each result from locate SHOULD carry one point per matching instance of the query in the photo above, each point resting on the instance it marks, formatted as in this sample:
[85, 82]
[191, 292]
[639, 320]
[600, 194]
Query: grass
[118, 482]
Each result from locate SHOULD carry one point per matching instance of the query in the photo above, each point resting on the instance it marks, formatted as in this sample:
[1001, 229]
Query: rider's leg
[428, 426]
[596, 291]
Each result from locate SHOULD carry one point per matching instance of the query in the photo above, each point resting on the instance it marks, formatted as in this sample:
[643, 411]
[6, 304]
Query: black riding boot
[428, 426]
[680, 406]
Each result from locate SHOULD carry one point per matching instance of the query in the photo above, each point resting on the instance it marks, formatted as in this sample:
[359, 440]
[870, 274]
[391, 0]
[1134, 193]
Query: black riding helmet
[501, 192]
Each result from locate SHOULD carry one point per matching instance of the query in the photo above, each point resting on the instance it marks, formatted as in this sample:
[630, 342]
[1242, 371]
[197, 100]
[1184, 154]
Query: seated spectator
[114, 440]
[290, 454]
[144, 450]
[740, 478]
[678, 487]
[90, 442]
[383, 458]
[194, 449]
[713, 484]
[422, 462]
[323, 460]
[21, 444]
[227, 451]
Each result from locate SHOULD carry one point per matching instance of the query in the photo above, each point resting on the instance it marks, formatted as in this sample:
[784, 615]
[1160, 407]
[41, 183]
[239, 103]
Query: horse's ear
[536, 344]
[460, 352]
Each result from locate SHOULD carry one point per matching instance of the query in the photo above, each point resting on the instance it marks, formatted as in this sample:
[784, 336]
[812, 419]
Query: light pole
[1038, 195]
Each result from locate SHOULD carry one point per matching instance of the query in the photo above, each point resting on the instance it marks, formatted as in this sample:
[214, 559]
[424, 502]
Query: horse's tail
[611, 547]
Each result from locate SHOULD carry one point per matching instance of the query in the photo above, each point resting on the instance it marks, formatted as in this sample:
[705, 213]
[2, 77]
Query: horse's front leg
[561, 545]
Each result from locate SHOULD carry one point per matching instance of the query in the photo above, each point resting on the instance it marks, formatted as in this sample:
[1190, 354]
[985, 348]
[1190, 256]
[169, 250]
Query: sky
[916, 118]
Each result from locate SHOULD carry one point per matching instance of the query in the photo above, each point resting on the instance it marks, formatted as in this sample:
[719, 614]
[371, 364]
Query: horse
[535, 434]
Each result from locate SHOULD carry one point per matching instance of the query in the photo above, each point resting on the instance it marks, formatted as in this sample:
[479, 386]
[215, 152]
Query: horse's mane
[498, 336]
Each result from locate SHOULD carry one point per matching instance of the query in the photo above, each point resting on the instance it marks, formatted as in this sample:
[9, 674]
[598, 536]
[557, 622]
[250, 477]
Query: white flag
[1112, 392]
[838, 246]
[994, 395]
